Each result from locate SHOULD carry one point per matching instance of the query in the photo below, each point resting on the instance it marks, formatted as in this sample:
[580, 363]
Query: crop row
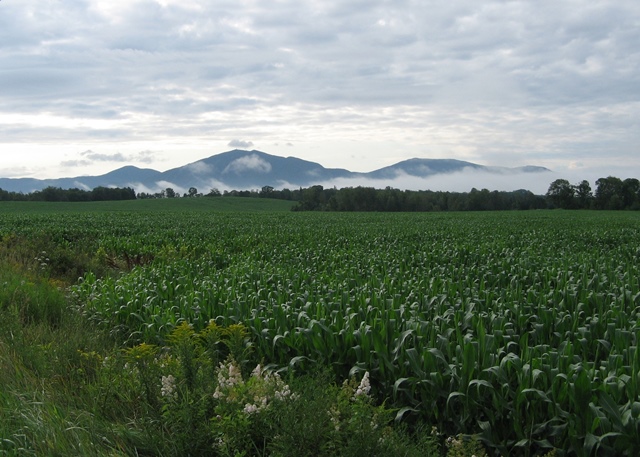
[523, 327]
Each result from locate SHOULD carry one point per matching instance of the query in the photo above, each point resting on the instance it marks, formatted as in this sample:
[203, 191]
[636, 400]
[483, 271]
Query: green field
[519, 328]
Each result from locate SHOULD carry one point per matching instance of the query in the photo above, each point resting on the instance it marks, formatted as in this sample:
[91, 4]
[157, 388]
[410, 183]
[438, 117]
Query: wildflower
[364, 387]
[283, 394]
[453, 442]
[168, 388]
[334, 415]
[228, 376]
[257, 371]
[374, 422]
[250, 409]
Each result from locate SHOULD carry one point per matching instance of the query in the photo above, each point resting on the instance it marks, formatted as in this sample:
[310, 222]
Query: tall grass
[43, 413]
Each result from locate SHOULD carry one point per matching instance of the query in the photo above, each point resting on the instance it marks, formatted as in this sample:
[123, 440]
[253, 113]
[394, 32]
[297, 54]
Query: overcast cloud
[88, 85]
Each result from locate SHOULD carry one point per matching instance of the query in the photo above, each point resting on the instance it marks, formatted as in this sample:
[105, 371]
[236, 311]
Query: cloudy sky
[87, 86]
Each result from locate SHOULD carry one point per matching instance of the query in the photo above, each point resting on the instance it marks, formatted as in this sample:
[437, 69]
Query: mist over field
[464, 181]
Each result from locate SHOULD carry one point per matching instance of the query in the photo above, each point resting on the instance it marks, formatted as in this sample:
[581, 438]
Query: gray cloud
[89, 157]
[498, 82]
[98, 157]
[240, 144]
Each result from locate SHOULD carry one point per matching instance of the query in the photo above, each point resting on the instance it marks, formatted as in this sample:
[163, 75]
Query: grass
[43, 403]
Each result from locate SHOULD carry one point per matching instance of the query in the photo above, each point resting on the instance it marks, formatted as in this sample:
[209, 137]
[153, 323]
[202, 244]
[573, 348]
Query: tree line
[57, 194]
[611, 194]
[317, 198]
[264, 192]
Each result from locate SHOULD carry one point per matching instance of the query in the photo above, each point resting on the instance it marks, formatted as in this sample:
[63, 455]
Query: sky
[88, 86]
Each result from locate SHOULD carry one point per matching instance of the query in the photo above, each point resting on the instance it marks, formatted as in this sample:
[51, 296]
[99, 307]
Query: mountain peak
[244, 169]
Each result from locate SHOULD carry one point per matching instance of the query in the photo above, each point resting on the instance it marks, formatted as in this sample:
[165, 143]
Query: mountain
[239, 169]
[122, 177]
[423, 168]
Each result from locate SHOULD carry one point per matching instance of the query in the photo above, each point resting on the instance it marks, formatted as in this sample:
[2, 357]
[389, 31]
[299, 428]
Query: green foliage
[258, 413]
[143, 358]
[469, 323]
[517, 328]
[32, 299]
[465, 446]
[562, 194]
[183, 339]
[236, 339]
[46, 359]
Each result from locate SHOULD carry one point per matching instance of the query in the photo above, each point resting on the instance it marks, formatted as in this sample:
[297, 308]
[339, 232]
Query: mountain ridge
[242, 169]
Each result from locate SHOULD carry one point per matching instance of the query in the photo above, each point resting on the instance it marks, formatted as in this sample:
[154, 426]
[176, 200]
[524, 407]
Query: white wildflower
[257, 372]
[168, 388]
[453, 442]
[228, 376]
[260, 404]
[283, 393]
[251, 409]
[334, 415]
[364, 387]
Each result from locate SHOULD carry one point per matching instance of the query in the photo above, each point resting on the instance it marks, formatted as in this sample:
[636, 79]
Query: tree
[51, 194]
[169, 192]
[266, 192]
[631, 193]
[609, 193]
[561, 193]
[193, 192]
[583, 192]
[312, 199]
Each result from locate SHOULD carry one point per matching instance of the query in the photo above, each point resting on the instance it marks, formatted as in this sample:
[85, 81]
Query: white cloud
[200, 168]
[81, 185]
[248, 163]
[463, 181]
[163, 185]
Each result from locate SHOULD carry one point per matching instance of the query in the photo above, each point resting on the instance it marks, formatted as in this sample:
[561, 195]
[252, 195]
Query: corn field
[521, 327]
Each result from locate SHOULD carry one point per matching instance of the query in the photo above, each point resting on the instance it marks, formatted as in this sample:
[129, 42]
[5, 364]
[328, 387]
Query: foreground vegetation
[193, 332]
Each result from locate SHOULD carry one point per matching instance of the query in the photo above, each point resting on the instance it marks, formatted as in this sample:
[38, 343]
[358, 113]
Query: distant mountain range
[239, 169]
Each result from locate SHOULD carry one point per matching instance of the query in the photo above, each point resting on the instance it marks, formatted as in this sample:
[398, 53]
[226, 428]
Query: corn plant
[520, 328]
